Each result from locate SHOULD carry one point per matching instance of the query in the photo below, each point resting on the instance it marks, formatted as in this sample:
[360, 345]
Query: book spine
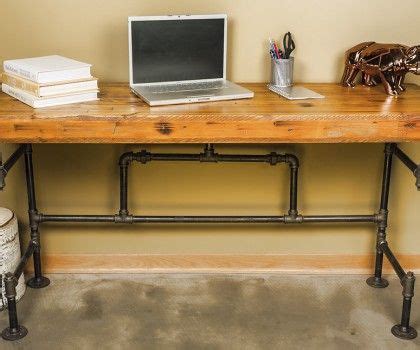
[21, 84]
[16, 94]
[14, 69]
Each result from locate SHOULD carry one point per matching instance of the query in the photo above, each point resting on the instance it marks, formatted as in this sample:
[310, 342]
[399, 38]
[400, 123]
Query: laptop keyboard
[161, 89]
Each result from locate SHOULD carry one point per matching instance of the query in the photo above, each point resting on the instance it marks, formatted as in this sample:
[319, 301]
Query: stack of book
[49, 81]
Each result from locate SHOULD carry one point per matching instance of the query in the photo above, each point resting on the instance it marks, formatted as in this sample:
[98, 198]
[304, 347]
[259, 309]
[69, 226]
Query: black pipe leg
[377, 281]
[38, 281]
[404, 330]
[15, 331]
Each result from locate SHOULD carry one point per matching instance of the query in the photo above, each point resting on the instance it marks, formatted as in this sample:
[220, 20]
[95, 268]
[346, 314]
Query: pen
[272, 54]
[274, 49]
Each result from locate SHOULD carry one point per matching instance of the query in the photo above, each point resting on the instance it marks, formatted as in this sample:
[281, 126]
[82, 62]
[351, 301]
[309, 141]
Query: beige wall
[335, 179]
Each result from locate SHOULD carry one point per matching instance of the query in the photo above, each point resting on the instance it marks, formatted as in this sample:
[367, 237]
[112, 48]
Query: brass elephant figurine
[388, 63]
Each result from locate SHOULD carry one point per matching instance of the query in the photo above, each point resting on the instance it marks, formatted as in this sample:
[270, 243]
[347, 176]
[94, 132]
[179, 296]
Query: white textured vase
[9, 252]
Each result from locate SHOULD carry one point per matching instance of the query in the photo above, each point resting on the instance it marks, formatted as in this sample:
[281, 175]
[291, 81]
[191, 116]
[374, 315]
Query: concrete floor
[211, 312]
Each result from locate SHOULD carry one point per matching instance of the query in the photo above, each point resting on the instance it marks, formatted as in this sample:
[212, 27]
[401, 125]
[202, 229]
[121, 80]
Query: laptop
[180, 59]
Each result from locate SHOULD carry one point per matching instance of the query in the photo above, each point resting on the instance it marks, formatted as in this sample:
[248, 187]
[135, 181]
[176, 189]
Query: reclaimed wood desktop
[345, 115]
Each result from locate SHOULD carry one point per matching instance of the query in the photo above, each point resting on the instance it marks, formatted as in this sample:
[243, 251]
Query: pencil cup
[282, 72]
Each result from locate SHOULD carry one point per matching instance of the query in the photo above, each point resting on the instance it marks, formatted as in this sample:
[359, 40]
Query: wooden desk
[345, 115]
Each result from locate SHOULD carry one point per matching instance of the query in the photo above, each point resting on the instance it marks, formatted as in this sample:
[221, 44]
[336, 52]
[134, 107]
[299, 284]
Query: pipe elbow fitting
[292, 160]
[126, 158]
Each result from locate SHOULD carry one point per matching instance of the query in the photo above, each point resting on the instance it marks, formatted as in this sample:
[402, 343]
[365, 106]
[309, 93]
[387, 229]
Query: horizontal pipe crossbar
[339, 218]
[208, 156]
[208, 219]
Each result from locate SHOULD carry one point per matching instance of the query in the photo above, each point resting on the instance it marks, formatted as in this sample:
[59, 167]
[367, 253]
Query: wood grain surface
[361, 114]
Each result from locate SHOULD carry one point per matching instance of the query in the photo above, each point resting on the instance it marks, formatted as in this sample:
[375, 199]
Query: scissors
[289, 45]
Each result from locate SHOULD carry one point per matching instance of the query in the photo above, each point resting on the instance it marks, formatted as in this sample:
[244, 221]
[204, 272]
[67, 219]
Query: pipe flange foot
[14, 334]
[376, 282]
[37, 283]
[404, 332]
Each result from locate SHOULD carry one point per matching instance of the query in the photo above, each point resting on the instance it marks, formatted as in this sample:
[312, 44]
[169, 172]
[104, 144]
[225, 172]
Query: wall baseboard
[301, 264]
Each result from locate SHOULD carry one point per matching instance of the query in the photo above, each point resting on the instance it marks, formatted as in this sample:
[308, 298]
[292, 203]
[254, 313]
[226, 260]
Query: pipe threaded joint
[10, 283]
[143, 156]
[382, 219]
[293, 219]
[408, 285]
[292, 160]
[126, 158]
[123, 219]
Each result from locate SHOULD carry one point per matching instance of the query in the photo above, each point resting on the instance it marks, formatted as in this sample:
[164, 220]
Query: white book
[43, 90]
[66, 88]
[48, 69]
[38, 102]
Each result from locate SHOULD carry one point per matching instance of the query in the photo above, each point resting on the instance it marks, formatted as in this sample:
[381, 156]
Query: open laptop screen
[176, 50]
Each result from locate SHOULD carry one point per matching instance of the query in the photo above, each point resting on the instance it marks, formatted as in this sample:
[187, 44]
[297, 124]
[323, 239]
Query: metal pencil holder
[282, 72]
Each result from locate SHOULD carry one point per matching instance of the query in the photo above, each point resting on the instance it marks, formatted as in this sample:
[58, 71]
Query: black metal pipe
[8, 164]
[405, 314]
[38, 281]
[409, 163]
[386, 177]
[24, 259]
[77, 218]
[124, 162]
[404, 330]
[123, 190]
[13, 319]
[203, 157]
[30, 183]
[15, 331]
[293, 191]
[338, 218]
[377, 280]
[209, 155]
[253, 219]
[207, 219]
[173, 157]
[393, 260]
[379, 257]
[10, 291]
